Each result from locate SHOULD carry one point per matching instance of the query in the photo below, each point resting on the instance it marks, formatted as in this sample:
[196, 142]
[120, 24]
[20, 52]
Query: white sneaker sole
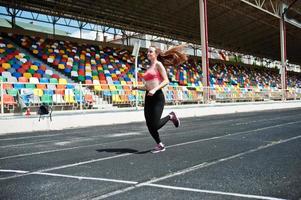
[158, 151]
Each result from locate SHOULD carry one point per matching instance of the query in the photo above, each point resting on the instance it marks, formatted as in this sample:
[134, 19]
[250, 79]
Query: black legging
[153, 109]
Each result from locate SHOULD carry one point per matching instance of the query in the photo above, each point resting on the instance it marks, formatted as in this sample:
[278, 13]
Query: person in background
[155, 78]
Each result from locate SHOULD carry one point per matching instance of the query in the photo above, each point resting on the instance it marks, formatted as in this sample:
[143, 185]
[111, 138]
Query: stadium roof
[245, 26]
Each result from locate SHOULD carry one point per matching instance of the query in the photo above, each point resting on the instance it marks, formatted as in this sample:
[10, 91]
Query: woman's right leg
[153, 109]
[150, 118]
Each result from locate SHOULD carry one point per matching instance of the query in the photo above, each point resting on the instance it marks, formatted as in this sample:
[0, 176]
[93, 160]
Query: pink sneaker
[175, 120]
[159, 148]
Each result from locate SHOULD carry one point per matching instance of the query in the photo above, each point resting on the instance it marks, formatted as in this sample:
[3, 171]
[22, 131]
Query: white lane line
[13, 171]
[193, 168]
[122, 134]
[77, 138]
[127, 154]
[213, 192]
[150, 185]
[66, 149]
[185, 143]
[86, 178]
[233, 134]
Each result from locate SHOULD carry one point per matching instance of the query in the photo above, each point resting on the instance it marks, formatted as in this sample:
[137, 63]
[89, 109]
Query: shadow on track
[123, 151]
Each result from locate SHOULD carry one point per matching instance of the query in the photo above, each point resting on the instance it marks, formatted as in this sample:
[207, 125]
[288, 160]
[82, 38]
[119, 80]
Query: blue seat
[44, 80]
[48, 92]
[79, 99]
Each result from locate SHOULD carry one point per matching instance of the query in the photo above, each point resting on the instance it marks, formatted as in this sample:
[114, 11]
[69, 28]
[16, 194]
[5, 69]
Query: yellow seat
[10, 46]
[112, 87]
[62, 81]
[95, 78]
[61, 66]
[69, 98]
[34, 67]
[27, 75]
[38, 92]
[6, 66]
[35, 51]
[116, 98]
[97, 87]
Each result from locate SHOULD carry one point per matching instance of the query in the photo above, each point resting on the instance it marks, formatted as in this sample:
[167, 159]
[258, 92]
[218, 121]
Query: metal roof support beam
[81, 25]
[283, 53]
[204, 41]
[54, 21]
[13, 15]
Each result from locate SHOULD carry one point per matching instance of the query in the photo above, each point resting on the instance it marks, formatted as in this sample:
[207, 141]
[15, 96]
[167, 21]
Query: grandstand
[70, 75]
[75, 74]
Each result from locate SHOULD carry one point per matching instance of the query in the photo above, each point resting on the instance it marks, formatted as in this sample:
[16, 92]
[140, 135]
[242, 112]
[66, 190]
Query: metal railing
[17, 97]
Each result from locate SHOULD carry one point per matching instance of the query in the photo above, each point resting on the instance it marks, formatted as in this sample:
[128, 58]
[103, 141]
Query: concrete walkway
[76, 119]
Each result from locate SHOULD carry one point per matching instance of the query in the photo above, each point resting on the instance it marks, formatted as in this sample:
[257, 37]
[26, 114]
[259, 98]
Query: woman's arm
[139, 88]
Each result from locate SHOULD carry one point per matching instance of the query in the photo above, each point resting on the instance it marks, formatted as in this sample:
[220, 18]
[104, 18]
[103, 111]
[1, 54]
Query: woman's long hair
[173, 56]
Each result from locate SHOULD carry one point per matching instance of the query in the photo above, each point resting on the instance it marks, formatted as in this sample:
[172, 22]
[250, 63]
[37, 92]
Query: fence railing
[17, 97]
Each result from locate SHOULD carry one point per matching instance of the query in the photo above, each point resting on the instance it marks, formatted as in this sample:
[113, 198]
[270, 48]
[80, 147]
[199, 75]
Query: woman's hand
[151, 92]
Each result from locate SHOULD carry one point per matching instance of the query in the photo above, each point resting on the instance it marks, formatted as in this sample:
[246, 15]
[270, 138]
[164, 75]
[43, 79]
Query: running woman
[155, 78]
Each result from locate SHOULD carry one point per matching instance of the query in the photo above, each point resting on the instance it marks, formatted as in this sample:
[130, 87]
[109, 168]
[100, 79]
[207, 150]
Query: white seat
[26, 91]
[34, 80]
[35, 100]
[96, 82]
[12, 79]
[58, 98]
[51, 86]
[50, 60]
[74, 74]
[69, 92]
[6, 74]
[49, 72]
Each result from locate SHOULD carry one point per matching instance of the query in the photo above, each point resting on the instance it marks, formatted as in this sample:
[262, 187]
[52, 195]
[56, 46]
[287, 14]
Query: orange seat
[7, 86]
[23, 79]
[89, 98]
[9, 100]
[59, 86]
[41, 86]
[126, 87]
[60, 91]
[104, 87]
[89, 82]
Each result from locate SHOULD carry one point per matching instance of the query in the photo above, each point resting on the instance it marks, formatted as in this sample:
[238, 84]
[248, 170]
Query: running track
[239, 156]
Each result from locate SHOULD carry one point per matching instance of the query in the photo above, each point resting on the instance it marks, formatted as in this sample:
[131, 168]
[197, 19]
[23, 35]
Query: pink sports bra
[152, 74]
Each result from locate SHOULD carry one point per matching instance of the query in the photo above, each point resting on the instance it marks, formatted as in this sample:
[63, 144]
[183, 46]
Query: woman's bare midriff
[149, 85]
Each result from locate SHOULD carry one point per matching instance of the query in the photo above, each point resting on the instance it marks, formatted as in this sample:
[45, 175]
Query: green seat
[81, 78]
[31, 71]
[94, 73]
[13, 92]
[53, 80]
[77, 91]
[114, 92]
[30, 85]
[118, 87]
[47, 99]
[2, 79]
